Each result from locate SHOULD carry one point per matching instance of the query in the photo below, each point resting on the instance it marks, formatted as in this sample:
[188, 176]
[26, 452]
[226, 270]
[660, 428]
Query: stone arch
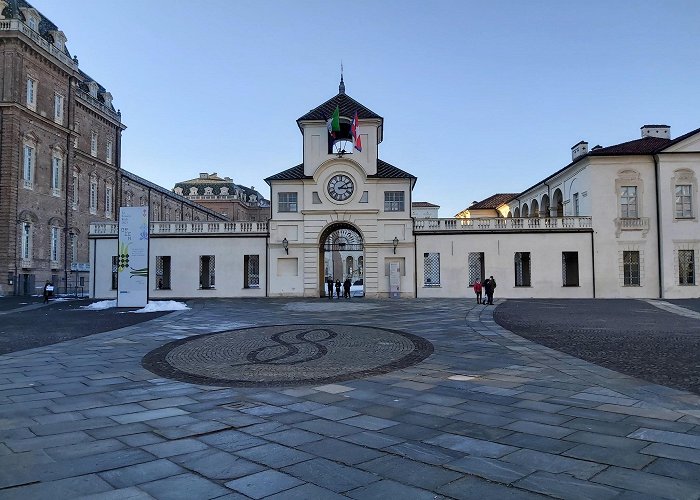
[544, 205]
[558, 200]
[337, 242]
[516, 213]
[534, 209]
[525, 212]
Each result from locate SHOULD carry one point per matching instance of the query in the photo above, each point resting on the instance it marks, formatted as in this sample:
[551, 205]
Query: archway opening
[341, 262]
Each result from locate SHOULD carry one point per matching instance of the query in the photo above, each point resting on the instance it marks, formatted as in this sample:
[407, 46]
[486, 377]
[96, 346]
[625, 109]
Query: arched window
[535, 208]
[525, 212]
[510, 214]
[348, 266]
[516, 214]
[558, 199]
[545, 205]
[360, 264]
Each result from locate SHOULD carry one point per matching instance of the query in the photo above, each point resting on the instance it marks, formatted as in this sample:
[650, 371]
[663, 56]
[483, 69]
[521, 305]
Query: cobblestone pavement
[639, 338]
[488, 415]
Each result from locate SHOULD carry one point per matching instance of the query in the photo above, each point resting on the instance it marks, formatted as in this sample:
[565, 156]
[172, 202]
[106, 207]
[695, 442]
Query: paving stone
[131, 493]
[155, 404]
[491, 469]
[382, 490]
[612, 456]
[326, 427]
[472, 446]
[148, 415]
[265, 428]
[423, 452]
[141, 473]
[195, 429]
[142, 439]
[274, 455]
[370, 423]
[678, 469]
[331, 475]
[118, 430]
[606, 440]
[565, 486]
[471, 487]
[84, 449]
[215, 464]
[108, 411]
[340, 451]
[541, 417]
[410, 472]
[370, 439]
[334, 413]
[554, 463]
[667, 437]
[176, 447]
[183, 487]
[19, 445]
[71, 487]
[293, 437]
[596, 426]
[648, 483]
[306, 492]
[675, 452]
[231, 440]
[412, 432]
[263, 483]
[659, 413]
[539, 429]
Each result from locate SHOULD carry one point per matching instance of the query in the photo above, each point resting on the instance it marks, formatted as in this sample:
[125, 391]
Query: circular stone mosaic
[287, 355]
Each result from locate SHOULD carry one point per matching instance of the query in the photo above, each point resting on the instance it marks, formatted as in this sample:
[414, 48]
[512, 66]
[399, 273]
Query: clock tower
[342, 213]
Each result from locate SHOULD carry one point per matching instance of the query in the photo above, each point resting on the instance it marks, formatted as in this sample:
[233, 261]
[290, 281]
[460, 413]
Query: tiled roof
[643, 146]
[384, 171]
[423, 204]
[347, 106]
[494, 201]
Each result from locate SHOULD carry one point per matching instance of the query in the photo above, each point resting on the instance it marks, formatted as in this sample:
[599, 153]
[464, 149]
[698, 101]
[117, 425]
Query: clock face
[340, 187]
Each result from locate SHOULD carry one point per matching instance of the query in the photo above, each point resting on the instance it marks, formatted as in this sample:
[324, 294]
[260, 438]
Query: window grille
[628, 202]
[476, 267]
[686, 267]
[569, 268]
[115, 272]
[287, 202]
[684, 206]
[206, 271]
[393, 201]
[631, 268]
[252, 271]
[522, 269]
[431, 273]
[163, 272]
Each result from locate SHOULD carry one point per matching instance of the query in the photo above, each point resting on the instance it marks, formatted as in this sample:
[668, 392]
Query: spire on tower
[341, 87]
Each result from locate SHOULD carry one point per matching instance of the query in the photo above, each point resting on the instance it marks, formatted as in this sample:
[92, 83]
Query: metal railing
[188, 227]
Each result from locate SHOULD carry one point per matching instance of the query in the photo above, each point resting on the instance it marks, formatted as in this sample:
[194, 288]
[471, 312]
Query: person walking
[337, 288]
[48, 291]
[489, 288]
[329, 284]
[477, 291]
[346, 288]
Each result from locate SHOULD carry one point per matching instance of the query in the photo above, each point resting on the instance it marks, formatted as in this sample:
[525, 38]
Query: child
[477, 291]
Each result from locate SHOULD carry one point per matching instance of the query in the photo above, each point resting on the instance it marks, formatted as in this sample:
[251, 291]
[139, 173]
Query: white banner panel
[133, 257]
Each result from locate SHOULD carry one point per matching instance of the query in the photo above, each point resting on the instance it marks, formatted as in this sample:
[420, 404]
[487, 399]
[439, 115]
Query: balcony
[17, 25]
[187, 228]
[502, 225]
[95, 103]
[635, 224]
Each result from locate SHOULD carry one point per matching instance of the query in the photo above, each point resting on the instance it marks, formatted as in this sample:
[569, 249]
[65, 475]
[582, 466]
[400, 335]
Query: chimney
[596, 147]
[203, 175]
[579, 149]
[662, 131]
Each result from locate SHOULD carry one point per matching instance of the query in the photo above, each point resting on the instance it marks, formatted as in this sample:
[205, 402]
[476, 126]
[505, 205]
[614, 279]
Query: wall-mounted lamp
[285, 245]
[396, 243]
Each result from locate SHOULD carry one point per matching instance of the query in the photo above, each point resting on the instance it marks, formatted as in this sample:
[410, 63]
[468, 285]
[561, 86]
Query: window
[115, 272]
[569, 268]
[56, 168]
[631, 268]
[686, 267]
[108, 153]
[26, 241]
[522, 269]
[684, 202]
[163, 272]
[393, 201]
[31, 22]
[28, 170]
[628, 202]
[55, 244]
[31, 94]
[287, 202]
[58, 108]
[109, 198]
[576, 205]
[476, 267]
[93, 144]
[431, 269]
[206, 272]
[93, 195]
[75, 191]
[73, 247]
[251, 266]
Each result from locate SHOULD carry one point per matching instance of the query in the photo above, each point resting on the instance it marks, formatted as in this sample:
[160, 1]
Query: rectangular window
[115, 272]
[58, 108]
[686, 267]
[93, 196]
[75, 191]
[108, 153]
[56, 168]
[569, 268]
[206, 271]
[522, 269]
[163, 272]
[431, 269]
[26, 241]
[109, 197]
[251, 269]
[630, 268]
[628, 202]
[55, 243]
[28, 167]
[73, 248]
[93, 144]
[476, 267]
[393, 201]
[576, 205]
[31, 93]
[287, 202]
[684, 202]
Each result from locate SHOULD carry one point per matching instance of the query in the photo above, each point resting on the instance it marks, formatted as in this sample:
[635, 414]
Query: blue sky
[477, 97]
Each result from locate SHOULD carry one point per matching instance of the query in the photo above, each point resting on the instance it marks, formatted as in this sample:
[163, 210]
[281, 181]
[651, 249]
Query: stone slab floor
[487, 415]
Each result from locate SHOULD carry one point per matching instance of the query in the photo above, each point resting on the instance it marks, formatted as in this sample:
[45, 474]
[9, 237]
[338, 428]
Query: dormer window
[59, 39]
[31, 18]
[93, 87]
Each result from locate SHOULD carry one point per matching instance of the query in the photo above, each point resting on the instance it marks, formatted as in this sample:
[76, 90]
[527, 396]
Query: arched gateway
[341, 255]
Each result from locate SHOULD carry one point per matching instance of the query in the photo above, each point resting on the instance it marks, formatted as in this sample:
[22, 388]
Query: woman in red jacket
[477, 291]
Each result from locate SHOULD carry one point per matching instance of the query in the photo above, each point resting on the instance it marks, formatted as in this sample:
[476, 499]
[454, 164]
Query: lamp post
[396, 243]
[285, 245]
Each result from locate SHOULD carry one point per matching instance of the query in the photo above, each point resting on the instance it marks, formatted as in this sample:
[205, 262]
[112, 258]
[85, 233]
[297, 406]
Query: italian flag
[333, 122]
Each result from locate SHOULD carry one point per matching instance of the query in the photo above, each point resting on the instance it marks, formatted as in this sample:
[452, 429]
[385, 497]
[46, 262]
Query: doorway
[341, 257]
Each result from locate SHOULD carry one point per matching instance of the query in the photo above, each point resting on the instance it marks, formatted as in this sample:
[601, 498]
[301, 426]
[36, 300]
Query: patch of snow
[99, 306]
[163, 305]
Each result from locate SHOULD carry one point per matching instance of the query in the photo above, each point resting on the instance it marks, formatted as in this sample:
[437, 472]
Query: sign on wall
[394, 280]
[133, 257]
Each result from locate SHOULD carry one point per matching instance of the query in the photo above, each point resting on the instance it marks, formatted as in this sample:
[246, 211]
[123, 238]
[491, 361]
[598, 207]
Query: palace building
[617, 221]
